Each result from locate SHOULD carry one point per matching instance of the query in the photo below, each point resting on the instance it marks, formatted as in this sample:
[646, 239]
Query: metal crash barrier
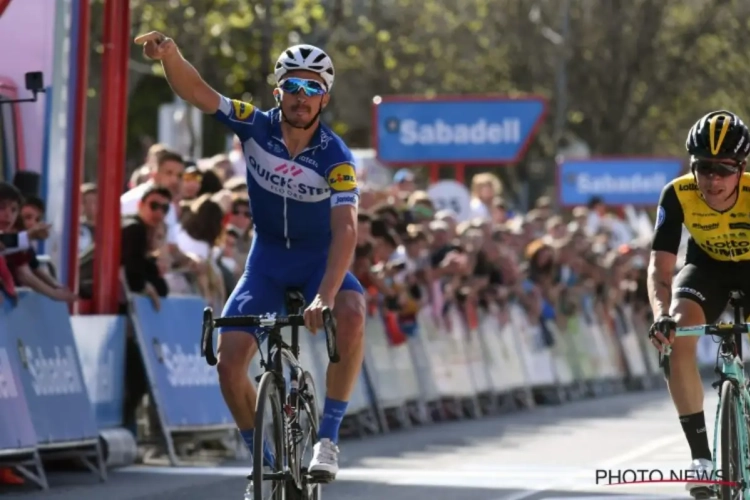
[62, 378]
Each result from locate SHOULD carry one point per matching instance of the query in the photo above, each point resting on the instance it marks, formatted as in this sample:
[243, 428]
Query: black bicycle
[293, 415]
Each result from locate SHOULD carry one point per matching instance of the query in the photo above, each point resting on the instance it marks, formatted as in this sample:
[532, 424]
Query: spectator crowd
[187, 229]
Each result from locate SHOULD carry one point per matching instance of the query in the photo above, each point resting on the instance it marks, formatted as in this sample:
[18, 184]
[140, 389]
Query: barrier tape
[62, 378]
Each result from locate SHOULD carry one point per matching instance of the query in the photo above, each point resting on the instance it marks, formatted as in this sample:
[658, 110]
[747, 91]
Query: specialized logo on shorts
[692, 291]
[284, 177]
[661, 214]
[243, 299]
[242, 110]
[342, 178]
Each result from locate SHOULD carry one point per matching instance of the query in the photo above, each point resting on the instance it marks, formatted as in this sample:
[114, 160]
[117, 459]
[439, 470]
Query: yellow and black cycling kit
[718, 252]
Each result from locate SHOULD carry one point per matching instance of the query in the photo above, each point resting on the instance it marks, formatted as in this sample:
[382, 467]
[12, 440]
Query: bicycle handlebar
[719, 329]
[267, 322]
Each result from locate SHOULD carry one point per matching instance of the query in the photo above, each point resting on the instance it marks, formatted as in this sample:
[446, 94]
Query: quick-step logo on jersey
[287, 178]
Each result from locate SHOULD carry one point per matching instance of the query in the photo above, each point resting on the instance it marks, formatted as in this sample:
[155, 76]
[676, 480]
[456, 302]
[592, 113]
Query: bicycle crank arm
[278, 476]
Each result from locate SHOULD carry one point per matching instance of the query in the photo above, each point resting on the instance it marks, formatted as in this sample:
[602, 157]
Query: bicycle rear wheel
[731, 460]
[269, 427]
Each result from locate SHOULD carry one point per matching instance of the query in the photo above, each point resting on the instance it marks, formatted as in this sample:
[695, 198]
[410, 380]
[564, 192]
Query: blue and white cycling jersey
[291, 201]
[291, 198]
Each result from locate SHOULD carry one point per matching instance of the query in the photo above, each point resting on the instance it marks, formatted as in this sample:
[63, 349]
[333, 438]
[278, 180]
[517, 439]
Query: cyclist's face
[717, 180]
[300, 108]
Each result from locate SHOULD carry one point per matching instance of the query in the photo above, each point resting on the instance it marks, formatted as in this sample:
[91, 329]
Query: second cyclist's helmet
[720, 135]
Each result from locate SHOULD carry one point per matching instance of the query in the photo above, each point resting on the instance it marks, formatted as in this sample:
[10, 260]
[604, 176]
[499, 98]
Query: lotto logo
[187, 370]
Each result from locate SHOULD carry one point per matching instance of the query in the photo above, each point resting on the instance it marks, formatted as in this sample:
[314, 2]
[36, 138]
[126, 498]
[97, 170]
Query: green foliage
[639, 72]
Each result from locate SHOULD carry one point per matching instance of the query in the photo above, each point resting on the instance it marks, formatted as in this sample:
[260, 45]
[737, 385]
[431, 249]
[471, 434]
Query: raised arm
[181, 75]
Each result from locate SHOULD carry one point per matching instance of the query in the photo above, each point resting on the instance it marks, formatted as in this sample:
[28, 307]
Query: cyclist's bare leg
[685, 384]
[686, 388]
[341, 377]
[235, 351]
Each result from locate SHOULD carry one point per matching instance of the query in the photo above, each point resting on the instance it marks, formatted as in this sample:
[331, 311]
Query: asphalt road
[545, 453]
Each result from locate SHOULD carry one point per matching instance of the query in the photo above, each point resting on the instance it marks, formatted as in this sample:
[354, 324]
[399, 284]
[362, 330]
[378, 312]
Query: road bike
[290, 409]
[733, 410]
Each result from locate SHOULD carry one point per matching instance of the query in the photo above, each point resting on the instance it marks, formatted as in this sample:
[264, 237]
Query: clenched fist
[156, 46]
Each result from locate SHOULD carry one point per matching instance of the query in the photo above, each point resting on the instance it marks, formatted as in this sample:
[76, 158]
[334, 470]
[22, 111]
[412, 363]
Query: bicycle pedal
[701, 493]
[320, 477]
[275, 476]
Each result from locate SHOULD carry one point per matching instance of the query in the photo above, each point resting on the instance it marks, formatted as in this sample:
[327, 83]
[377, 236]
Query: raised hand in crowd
[40, 231]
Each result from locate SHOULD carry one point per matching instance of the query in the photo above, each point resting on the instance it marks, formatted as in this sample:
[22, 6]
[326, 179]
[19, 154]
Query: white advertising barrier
[384, 375]
[421, 360]
[420, 357]
[447, 366]
[456, 353]
[471, 348]
[502, 358]
[633, 354]
[604, 351]
[537, 357]
[408, 381]
[563, 372]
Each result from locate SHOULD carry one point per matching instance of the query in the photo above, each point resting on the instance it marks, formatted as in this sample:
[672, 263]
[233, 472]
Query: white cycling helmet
[308, 58]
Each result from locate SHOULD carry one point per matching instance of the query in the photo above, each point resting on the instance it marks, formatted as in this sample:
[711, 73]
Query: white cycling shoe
[325, 461]
[703, 470]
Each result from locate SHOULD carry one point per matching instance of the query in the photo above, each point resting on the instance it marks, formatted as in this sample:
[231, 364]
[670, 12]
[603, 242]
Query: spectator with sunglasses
[712, 203]
[304, 196]
[141, 268]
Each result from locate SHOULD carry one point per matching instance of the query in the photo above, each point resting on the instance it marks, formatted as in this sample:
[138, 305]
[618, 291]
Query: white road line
[612, 462]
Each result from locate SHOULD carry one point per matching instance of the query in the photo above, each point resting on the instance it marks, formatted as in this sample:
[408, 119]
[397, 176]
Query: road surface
[547, 453]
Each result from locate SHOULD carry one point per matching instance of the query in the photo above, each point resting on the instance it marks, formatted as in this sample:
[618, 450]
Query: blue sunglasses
[309, 87]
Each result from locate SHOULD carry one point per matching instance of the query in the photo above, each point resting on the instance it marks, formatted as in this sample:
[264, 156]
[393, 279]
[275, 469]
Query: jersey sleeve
[241, 117]
[342, 180]
[669, 219]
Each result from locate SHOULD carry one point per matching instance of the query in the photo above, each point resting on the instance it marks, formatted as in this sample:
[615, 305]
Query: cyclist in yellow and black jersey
[713, 203]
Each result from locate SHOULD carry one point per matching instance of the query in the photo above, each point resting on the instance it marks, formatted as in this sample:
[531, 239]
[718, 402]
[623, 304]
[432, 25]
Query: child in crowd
[24, 266]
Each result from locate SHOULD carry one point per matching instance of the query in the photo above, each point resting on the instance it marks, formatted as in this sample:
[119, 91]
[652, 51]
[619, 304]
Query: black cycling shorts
[710, 288]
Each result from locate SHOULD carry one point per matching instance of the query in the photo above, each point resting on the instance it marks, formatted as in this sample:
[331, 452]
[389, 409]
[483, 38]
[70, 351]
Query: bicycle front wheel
[731, 460]
[269, 428]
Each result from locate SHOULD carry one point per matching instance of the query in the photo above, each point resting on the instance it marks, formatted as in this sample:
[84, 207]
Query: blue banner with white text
[624, 181]
[50, 370]
[16, 428]
[186, 388]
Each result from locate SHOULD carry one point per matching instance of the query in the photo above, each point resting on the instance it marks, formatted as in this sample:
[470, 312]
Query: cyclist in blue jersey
[304, 197]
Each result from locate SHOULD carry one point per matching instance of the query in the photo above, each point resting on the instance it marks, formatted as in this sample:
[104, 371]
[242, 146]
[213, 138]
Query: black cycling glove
[664, 324]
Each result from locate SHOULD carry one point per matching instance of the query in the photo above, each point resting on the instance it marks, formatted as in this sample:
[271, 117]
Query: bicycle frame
[732, 369]
[277, 351]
